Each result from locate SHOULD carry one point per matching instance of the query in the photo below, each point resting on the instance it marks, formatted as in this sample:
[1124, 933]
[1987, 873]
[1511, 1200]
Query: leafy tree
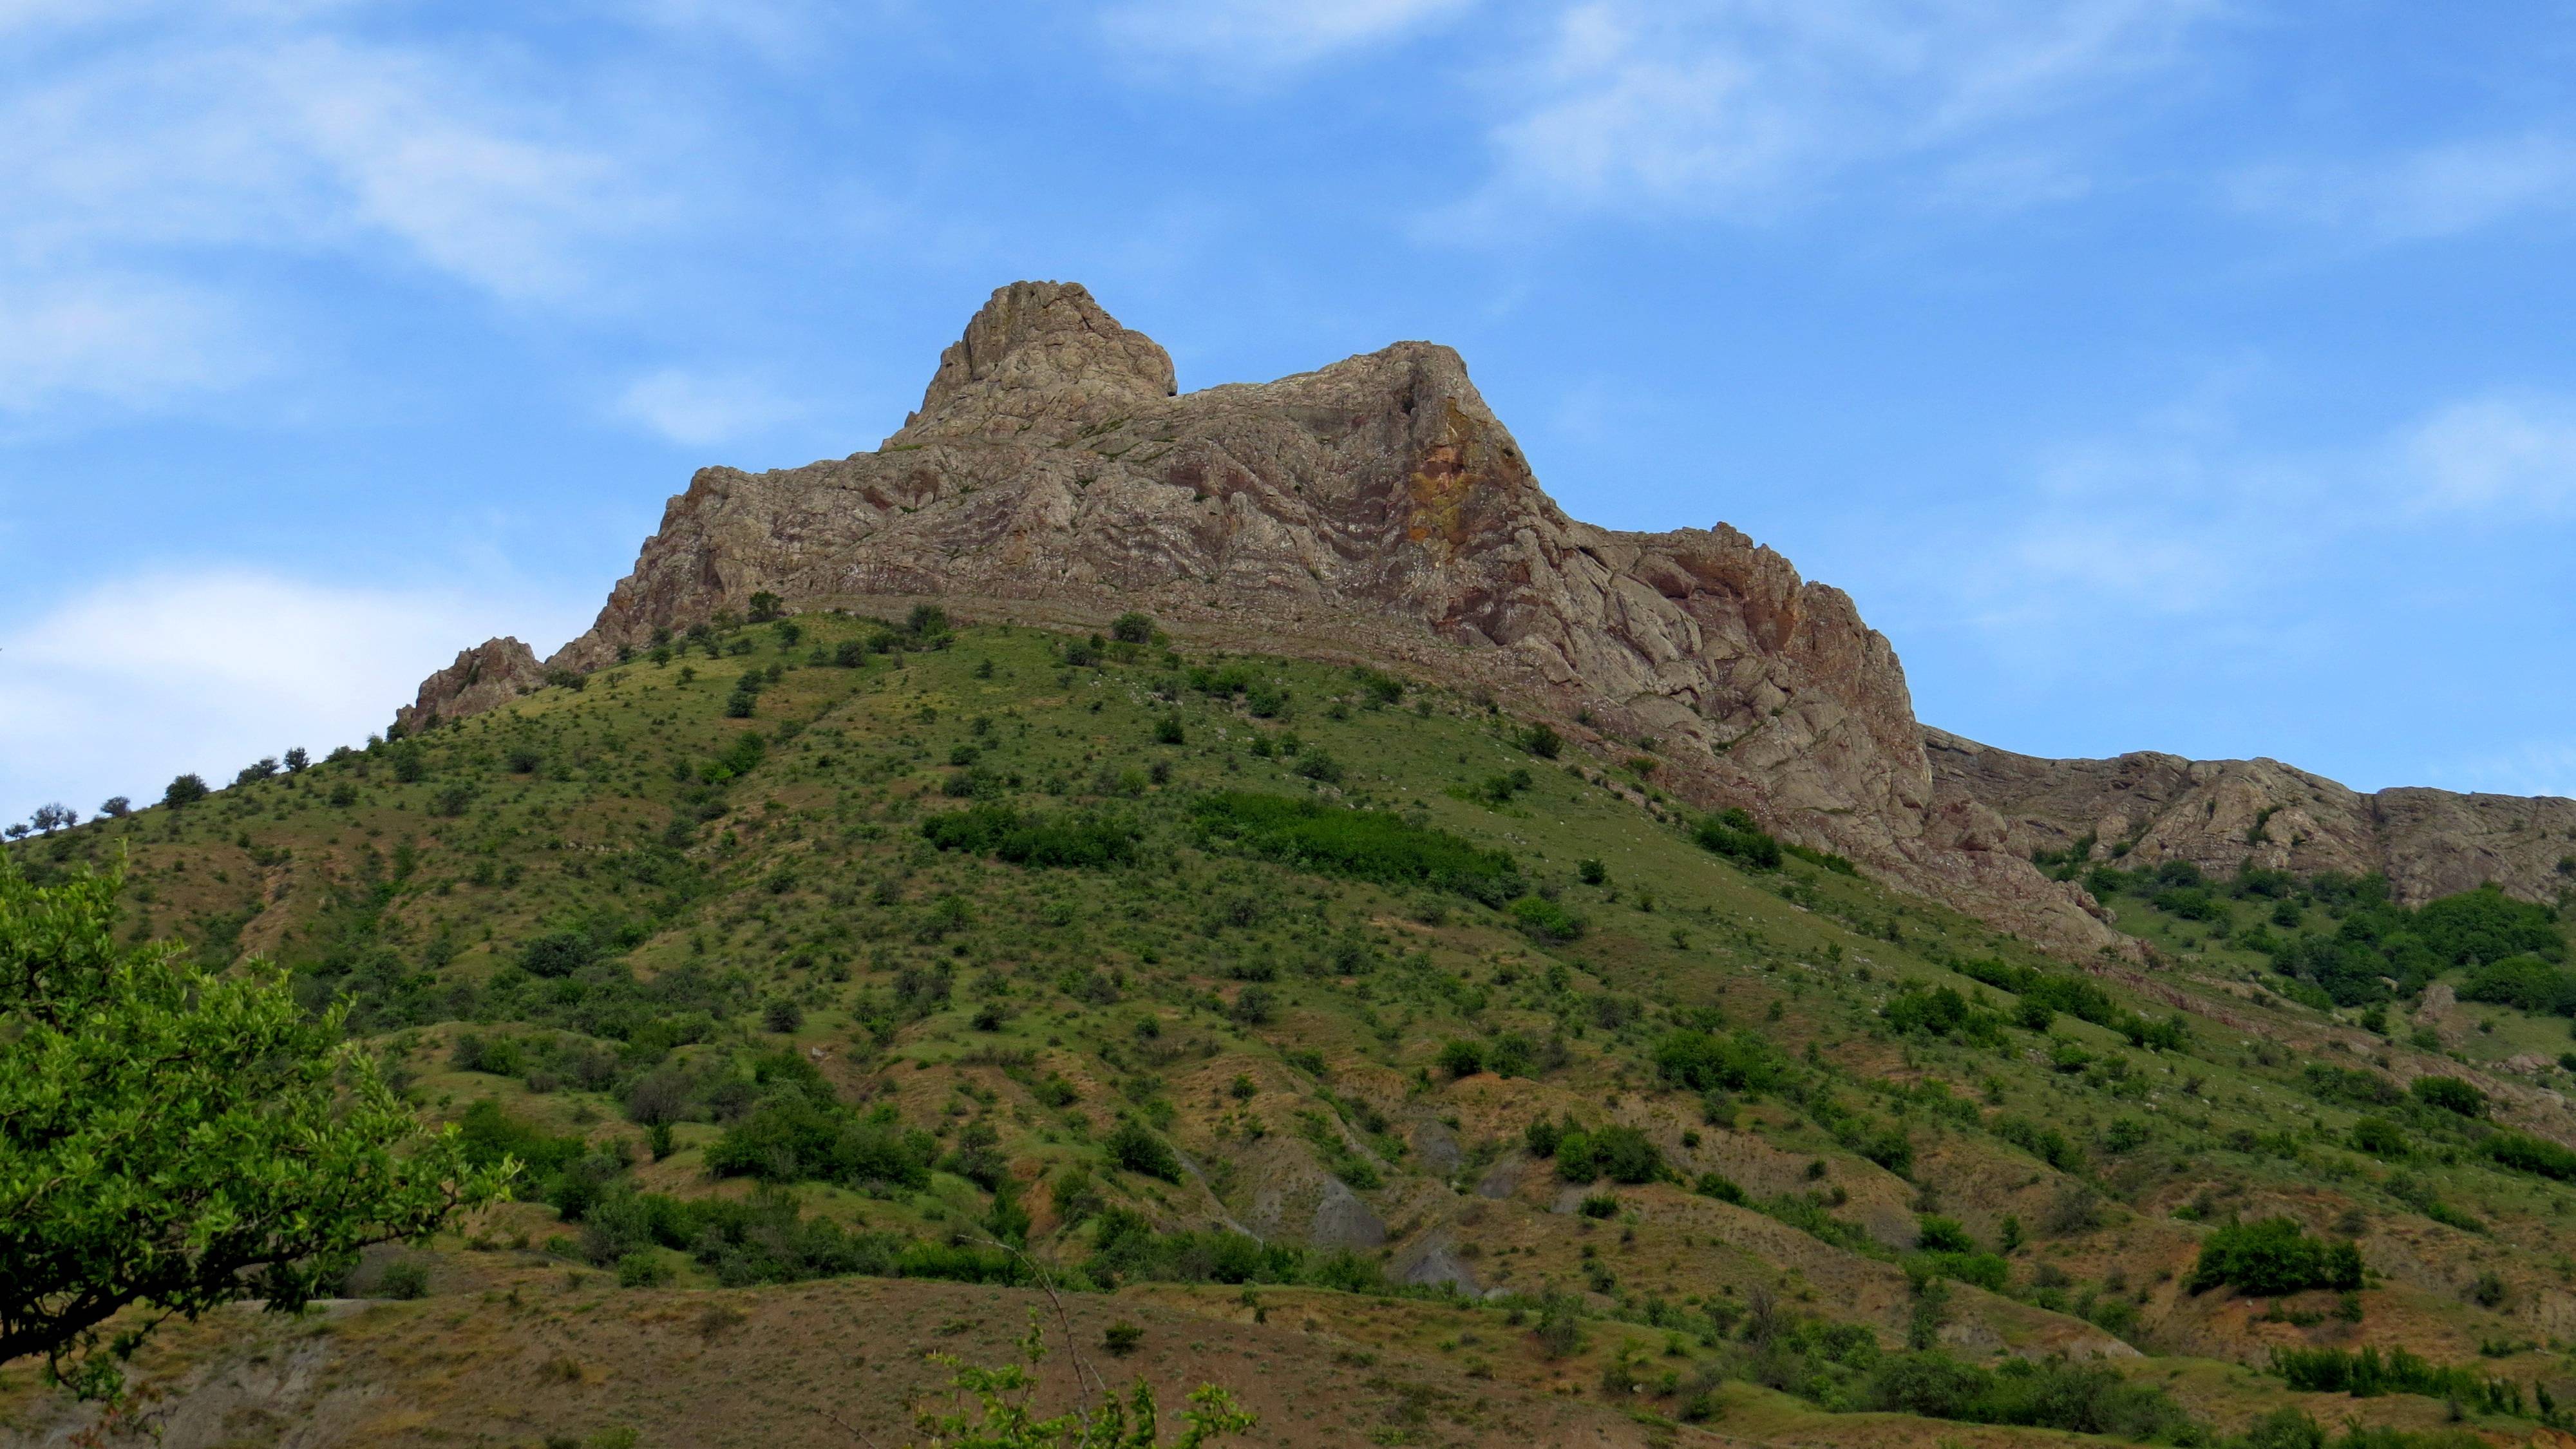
[765, 606]
[116, 807]
[1542, 741]
[1134, 1149]
[1462, 1058]
[297, 760]
[185, 790]
[181, 1139]
[1132, 628]
[557, 953]
[2273, 1257]
[2450, 1094]
[53, 817]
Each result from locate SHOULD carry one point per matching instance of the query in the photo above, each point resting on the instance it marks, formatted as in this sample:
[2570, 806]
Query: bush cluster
[1373, 845]
[2272, 1257]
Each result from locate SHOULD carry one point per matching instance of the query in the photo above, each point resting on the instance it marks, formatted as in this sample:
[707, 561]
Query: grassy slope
[807, 880]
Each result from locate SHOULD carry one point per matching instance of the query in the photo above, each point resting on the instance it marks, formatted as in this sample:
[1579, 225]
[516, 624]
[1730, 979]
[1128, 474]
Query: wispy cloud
[1270, 35]
[2536, 767]
[1745, 109]
[2187, 535]
[2421, 194]
[124, 685]
[2511, 456]
[151, 151]
[117, 338]
[697, 409]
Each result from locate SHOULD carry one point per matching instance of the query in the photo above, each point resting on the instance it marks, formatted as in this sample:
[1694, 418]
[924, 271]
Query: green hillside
[831, 948]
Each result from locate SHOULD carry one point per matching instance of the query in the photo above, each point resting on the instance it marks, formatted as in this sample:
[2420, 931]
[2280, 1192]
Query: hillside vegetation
[847, 962]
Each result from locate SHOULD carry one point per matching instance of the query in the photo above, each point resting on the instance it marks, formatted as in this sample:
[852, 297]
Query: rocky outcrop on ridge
[1374, 509]
[2220, 814]
[491, 673]
[1377, 510]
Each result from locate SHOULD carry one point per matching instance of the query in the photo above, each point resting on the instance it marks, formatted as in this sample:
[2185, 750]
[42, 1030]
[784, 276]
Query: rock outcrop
[1373, 510]
[491, 673]
[2220, 814]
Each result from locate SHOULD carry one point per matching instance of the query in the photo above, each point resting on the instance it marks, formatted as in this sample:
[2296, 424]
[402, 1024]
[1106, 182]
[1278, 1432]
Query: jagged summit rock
[491, 673]
[2221, 814]
[1037, 352]
[1372, 510]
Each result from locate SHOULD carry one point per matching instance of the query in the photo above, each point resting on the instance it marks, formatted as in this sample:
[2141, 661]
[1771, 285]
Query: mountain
[853, 985]
[1242, 878]
[2219, 815]
[1377, 509]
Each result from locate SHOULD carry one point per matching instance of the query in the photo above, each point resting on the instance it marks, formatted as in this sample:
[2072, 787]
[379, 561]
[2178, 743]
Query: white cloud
[2500, 455]
[1747, 108]
[152, 149]
[2434, 191]
[307, 143]
[123, 686]
[695, 409]
[124, 340]
[2540, 767]
[1266, 35]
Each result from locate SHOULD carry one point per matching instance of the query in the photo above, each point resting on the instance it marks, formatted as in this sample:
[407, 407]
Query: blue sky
[2187, 376]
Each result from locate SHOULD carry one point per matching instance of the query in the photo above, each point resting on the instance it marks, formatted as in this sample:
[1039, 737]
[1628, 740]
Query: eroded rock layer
[1375, 510]
[2221, 814]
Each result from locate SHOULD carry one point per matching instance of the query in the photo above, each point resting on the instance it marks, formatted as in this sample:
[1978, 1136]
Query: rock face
[491, 673]
[2220, 814]
[1373, 510]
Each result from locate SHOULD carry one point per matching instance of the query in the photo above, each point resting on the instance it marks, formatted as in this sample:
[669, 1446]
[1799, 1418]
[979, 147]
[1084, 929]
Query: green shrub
[1705, 1062]
[2526, 982]
[2450, 1094]
[1069, 840]
[1131, 1147]
[557, 953]
[2379, 1137]
[790, 1136]
[2370, 1371]
[2045, 1143]
[1544, 920]
[1461, 1058]
[2273, 1257]
[643, 1269]
[403, 1278]
[1372, 845]
[2089, 1398]
[2532, 1155]
[1601, 1205]
[1718, 1185]
[2077, 998]
[1732, 833]
[1624, 1154]
[1541, 1137]
[1942, 1011]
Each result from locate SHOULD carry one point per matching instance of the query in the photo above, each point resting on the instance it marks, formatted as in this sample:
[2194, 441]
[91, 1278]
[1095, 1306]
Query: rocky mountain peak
[491, 673]
[1037, 351]
[1373, 510]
